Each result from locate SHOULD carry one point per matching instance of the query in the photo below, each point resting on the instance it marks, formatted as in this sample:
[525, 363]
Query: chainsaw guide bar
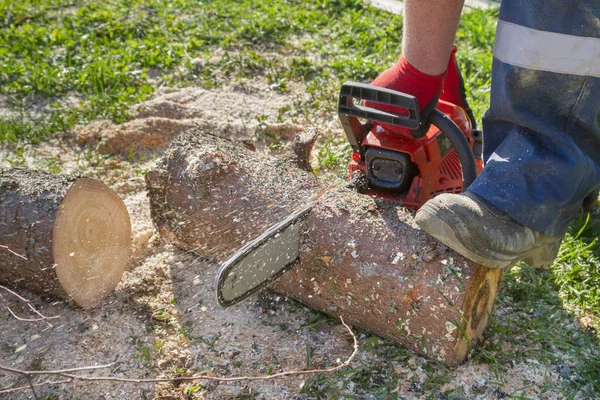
[262, 260]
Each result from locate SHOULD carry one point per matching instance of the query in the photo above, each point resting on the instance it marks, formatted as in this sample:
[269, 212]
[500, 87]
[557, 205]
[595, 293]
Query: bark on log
[73, 234]
[364, 259]
[212, 195]
[361, 257]
[302, 146]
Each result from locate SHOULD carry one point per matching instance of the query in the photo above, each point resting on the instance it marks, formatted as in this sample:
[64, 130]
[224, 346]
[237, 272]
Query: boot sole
[539, 257]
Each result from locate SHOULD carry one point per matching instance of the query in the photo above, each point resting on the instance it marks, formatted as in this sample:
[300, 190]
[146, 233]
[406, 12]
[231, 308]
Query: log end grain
[91, 241]
[477, 307]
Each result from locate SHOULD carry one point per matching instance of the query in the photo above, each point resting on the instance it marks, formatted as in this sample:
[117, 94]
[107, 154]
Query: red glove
[454, 87]
[451, 91]
[405, 78]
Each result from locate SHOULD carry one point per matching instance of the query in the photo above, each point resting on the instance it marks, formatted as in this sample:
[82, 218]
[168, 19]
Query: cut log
[72, 235]
[211, 195]
[362, 258]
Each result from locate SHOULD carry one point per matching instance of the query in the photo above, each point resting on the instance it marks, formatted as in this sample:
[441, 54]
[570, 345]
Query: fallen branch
[45, 383]
[42, 317]
[66, 373]
[15, 316]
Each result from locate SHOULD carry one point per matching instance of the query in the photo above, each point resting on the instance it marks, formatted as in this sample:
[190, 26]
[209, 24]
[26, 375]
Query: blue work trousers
[542, 130]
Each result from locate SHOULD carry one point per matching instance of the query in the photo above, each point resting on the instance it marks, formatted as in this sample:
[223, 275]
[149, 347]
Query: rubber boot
[482, 233]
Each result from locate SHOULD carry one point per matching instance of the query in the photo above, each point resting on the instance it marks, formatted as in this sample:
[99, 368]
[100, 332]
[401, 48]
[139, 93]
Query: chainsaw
[400, 156]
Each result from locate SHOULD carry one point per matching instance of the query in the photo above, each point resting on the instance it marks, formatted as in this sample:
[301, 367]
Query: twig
[66, 373]
[28, 319]
[55, 372]
[10, 251]
[35, 396]
[45, 383]
[42, 316]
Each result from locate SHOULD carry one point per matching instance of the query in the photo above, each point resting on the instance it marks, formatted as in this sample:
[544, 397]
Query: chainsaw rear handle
[362, 91]
[356, 131]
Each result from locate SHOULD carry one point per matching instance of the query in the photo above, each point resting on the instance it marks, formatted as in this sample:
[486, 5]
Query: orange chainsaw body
[438, 168]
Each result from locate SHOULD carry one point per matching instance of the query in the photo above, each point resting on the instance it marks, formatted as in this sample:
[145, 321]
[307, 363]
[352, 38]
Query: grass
[143, 352]
[68, 62]
[577, 269]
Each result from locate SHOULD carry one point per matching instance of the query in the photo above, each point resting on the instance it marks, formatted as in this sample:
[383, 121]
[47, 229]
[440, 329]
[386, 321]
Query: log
[211, 195]
[365, 259]
[361, 257]
[64, 236]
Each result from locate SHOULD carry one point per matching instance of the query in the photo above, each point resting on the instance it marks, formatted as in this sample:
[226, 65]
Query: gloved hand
[405, 78]
[454, 87]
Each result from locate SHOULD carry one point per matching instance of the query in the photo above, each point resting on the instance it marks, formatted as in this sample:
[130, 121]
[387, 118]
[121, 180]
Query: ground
[163, 319]
[251, 81]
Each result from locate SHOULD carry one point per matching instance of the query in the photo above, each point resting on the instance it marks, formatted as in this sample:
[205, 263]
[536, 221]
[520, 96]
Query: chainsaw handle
[375, 94]
[349, 112]
[460, 143]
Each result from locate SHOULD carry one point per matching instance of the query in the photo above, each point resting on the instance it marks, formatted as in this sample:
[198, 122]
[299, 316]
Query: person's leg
[541, 133]
[541, 138]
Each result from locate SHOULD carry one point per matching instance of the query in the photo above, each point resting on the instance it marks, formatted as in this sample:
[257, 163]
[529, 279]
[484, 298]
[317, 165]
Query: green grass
[577, 269]
[539, 326]
[64, 63]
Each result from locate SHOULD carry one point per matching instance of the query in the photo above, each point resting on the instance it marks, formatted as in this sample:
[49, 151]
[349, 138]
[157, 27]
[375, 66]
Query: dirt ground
[163, 318]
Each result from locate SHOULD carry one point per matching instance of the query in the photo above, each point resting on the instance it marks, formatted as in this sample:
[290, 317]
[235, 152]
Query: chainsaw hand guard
[349, 112]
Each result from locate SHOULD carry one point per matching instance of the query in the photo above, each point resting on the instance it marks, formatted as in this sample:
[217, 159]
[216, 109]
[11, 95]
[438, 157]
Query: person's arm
[429, 30]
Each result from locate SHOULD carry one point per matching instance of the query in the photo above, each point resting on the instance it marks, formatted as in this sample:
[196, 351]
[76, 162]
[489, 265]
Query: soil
[163, 319]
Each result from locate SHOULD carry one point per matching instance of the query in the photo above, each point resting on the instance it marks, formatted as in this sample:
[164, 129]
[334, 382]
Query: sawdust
[139, 135]
[246, 112]
[163, 318]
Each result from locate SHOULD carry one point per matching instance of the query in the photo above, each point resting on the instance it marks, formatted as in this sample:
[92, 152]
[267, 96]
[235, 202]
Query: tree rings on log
[91, 241]
[74, 235]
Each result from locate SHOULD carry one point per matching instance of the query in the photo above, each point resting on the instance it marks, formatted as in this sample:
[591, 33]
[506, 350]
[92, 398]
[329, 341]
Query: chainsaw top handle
[356, 131]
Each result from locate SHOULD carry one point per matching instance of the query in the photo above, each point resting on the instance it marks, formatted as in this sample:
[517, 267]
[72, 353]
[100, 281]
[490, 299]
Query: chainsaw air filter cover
[391, 170]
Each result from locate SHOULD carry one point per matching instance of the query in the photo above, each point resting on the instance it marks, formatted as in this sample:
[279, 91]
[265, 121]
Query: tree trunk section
[72, 235]
[361, 257]
[364, 259]
[211, 195]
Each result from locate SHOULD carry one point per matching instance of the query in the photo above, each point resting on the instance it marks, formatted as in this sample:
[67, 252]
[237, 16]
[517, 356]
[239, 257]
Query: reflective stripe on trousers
[542, 131]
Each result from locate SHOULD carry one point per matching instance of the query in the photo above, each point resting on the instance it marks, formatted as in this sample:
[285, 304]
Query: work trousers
[542, 130]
